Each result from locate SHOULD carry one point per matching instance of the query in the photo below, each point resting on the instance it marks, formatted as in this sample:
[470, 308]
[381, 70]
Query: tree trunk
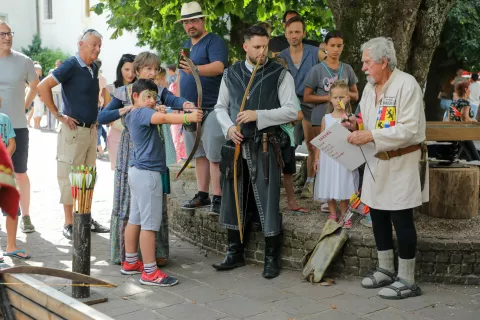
[414, 26]
[453, 193]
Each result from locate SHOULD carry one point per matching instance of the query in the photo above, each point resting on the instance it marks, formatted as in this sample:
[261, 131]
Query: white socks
[385, 261]
[406, 272]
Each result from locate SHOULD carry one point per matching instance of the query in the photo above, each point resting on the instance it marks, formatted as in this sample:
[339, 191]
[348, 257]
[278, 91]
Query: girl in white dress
[335, 182]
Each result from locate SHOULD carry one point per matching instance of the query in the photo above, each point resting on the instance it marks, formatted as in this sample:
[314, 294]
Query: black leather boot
[273, 245]
[234, 257]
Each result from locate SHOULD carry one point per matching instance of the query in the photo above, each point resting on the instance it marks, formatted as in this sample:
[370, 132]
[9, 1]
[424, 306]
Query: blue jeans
[101, 132]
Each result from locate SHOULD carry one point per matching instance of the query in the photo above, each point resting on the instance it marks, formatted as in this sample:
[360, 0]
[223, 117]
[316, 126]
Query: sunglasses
[128, 57]
[88, 31]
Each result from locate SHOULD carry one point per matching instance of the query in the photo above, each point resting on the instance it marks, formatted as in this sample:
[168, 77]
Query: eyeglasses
[3, 35]
[191, 21]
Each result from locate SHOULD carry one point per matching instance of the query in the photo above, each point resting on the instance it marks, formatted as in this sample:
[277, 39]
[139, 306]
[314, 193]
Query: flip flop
[299, 210]
[15, 254]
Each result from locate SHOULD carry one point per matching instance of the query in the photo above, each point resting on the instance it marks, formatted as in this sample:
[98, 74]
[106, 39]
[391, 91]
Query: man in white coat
[394, 120]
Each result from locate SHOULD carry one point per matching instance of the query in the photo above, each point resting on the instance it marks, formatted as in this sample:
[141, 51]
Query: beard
[254, 60]
[194, 33]
[371, 80]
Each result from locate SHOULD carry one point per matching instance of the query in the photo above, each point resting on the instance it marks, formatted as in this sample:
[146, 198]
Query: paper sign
[333, 142]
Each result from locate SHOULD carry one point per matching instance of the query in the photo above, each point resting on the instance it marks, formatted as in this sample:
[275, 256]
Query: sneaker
[196, 202]
[158, 278]
[324, 208]
[26, 225]
[215, 208]
[307, 190]
[132, 268]
[67, 231]
[98, 228]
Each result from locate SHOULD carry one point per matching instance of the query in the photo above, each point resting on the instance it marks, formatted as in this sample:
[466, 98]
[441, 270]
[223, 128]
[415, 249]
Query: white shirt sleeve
[289, 106]
[221, 109]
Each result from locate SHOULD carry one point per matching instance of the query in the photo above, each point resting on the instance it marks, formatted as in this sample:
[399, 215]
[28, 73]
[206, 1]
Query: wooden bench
[24, 297]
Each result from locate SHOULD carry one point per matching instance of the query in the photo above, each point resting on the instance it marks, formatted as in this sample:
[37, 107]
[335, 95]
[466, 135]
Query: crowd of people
[298, 89]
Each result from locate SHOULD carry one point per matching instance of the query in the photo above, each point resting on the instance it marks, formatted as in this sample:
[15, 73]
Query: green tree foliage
[154, 20]
[46, 57]
[461, 35]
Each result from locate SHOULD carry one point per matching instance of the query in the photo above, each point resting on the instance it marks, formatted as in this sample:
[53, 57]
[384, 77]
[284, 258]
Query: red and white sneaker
[129, 269]
[158, 278]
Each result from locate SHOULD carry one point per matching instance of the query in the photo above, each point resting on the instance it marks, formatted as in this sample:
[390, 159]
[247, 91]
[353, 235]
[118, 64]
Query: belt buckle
[387, 157]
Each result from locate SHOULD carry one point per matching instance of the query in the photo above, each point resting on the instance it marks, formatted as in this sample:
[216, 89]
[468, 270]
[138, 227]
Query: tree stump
[454, 192]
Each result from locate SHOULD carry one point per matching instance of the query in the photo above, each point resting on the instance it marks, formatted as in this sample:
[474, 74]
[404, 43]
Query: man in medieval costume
[394, 120]
[271, 102]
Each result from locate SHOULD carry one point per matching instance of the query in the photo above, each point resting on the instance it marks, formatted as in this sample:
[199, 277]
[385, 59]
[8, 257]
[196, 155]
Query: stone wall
[438, 260]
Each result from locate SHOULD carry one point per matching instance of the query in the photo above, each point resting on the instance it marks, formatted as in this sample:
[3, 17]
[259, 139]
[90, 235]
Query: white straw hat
[191, 10]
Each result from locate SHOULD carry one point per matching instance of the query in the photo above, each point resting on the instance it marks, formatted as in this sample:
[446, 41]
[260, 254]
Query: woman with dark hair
[319, 81]
[145, 66]
[125, 76]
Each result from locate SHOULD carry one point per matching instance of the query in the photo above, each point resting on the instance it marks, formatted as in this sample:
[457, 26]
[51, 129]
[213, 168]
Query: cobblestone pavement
[204, 293]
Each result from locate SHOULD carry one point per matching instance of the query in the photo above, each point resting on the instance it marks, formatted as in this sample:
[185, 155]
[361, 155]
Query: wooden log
[454, 192]
[30, 308]
[19, 315]
[51, 299]
[81, 251]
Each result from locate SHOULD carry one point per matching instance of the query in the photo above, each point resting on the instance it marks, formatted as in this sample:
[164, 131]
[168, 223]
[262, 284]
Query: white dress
[38, 107]
[334, 181]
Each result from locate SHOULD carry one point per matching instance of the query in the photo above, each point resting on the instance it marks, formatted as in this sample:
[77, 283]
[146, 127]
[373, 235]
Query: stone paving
[202, 292]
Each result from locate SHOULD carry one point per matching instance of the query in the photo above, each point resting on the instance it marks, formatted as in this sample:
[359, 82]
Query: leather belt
[387, 155]
[86, 125]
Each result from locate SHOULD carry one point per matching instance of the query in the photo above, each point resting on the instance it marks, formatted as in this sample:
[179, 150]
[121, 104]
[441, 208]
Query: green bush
[45, 56]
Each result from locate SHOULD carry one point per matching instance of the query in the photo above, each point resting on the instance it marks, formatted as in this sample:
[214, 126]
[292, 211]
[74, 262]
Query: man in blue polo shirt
[77, 139]
[209, 53]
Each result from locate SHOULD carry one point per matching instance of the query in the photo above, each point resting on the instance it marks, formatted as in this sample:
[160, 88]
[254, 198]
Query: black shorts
[288, 155]
[20, 156]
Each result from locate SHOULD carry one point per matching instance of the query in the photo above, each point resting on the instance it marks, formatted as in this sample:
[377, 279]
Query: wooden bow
[74, 276]
[238, 146]
[199, 106]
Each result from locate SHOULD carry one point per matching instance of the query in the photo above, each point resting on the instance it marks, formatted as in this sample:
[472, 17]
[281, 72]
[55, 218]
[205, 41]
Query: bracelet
[185, 119]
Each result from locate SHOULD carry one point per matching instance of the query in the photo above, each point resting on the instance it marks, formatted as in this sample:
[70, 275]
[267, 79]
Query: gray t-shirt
[15, 71]
[321, 78]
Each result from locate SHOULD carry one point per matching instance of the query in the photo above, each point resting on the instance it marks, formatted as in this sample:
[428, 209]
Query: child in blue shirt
[147, 163]
[7, 136]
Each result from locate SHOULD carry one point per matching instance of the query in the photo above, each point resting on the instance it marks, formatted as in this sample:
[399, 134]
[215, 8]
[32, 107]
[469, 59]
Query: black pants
[404, 227]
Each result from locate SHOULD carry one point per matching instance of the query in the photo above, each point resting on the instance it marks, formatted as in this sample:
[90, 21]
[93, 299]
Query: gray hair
[381, 48]
[4, 23]
[88, 33]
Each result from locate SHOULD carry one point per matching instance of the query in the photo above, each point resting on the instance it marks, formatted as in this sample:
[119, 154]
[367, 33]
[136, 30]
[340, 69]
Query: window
[47, 9]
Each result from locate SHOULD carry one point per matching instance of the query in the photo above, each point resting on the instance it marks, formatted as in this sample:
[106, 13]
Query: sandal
[381, 283]
[413, 291]
[348, 224]
[333, 217]
[299, 211]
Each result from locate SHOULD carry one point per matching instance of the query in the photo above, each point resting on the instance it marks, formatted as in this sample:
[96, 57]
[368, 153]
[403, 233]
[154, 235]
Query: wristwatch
[58, 115]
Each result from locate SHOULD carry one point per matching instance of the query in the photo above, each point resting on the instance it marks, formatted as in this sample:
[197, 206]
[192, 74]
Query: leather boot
[271, 268]
[234, 257]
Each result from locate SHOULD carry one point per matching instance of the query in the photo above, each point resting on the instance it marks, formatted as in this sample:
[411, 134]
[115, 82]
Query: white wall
[70, 20]
[21, 16]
